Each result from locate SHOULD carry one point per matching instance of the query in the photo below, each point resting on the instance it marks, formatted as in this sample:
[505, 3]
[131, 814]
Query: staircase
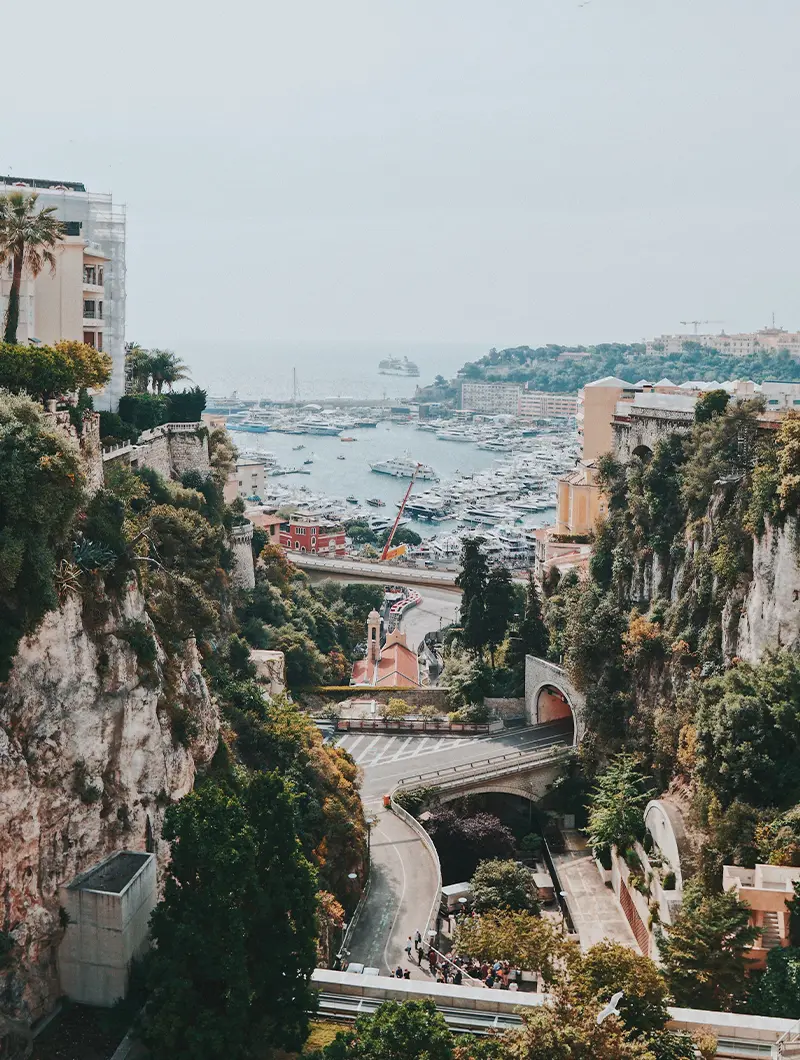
[788, 1048]
[770, 931]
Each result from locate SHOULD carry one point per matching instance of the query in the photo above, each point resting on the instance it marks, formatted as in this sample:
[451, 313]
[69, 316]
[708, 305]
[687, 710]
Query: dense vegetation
[546, 367]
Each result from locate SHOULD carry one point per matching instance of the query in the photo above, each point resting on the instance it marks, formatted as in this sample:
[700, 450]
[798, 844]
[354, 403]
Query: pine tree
[532, 637]
[472, 582]
[499, 602]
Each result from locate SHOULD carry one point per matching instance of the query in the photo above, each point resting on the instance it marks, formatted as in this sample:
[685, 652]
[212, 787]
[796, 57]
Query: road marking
[382, 752]
[402, 896]
[350, 747]
[402, 748]
[422, 743]
[367, 749]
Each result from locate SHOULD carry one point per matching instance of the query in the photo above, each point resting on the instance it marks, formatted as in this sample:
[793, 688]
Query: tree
[523, 939]
[411, 1030]
[91, 367]
[277, 568]
[616, 805]
[462, 842]
[472, 581]
[704, 949]
[532, 637]
[361, 534]
[507, 885]
[235, 932]
[497, 608]
[166, 368]
[28, 238]
[137, 367]
[46, 372]
[609, 966]
[402, 536]
[40, 492]
[778, 989]
[361, 598]
[710, 405]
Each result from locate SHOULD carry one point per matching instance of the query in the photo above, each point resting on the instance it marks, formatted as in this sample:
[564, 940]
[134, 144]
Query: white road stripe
[349, 747]
[383, 751]
[402, 748]
[422, 743]
[367, 749]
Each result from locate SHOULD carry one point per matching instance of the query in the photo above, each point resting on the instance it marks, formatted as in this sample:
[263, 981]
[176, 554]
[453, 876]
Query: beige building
[596, 405]
[580, 501]
[84, 299]
[246, 480]
[537, 404]
[491, 398]
[766, 889]
[742, 344]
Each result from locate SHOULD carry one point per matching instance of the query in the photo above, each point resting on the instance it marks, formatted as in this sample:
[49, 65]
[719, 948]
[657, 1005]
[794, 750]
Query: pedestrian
[398, 972]
[408, 948]
[417, 938]
[432, 959]
[406, 974]
[457, 977]
[444, 972]
[489, 982]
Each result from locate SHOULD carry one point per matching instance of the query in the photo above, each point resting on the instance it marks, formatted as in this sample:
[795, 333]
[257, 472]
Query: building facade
[580, 502]
[308, 533]
[491, 398]
[84, 299]
[538, 404]
[245, 480]
[742, 344]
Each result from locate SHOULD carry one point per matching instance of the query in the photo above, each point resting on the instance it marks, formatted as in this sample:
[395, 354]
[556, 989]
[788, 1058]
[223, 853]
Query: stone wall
[243, 574]
[87, 443]
[507, 709]
[172, 453]
[539, 673]
[645, 429]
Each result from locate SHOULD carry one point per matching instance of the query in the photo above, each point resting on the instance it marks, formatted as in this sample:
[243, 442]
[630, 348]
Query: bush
[50, 371]
[669, 881]
[145, 411]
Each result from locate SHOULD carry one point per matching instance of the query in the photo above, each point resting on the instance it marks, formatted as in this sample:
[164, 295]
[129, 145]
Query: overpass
[345, 996]
[368, 570]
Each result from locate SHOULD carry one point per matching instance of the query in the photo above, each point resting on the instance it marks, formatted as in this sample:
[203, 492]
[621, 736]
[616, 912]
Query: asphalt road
[404, 885]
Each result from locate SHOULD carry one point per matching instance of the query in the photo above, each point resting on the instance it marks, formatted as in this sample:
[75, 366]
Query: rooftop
[38, 182]
[611, 380]
[114, 874]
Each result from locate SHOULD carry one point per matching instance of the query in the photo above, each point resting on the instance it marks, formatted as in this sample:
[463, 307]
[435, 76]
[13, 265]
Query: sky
[524, 171]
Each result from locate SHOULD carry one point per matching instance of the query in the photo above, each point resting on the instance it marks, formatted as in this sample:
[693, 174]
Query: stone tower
[373, 636]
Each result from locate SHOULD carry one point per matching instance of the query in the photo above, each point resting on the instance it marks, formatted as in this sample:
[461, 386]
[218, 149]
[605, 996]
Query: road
[404, 885]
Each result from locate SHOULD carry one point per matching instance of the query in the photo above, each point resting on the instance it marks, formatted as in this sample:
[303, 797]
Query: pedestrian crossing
[369, 749]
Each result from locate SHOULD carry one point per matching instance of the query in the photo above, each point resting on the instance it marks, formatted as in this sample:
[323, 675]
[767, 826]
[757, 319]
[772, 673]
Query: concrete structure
[246, 480]
[537, 404]
[394, 664]
[551, 696]
[84, 300]
[243, 574]
[743, 344]
[780, 395]
[552, 551]
[214, 420]
[766, 889]
[313, 534]
[270, 669]
[170, 449]
[109, 909]
[639, 424]
[491, 398]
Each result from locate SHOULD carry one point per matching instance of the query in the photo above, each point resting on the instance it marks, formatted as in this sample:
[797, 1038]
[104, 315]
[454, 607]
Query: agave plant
[92, 558]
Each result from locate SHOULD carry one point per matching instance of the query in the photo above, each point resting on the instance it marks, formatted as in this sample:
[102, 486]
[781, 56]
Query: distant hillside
[558, 369]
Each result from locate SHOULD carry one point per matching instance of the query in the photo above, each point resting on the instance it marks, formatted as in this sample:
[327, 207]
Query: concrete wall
[540, 673]
[507, 709]
[106, 931]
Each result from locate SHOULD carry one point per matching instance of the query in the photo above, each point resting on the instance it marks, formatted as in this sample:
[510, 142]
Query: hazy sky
[521, 171]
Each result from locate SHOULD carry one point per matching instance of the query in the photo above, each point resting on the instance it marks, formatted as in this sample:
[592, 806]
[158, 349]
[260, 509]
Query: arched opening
[644, 453]
[553, 706]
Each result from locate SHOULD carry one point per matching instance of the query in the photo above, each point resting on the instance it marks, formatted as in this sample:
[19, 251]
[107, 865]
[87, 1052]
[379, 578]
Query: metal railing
[514, 761]
[436, 725]
[791, 1037]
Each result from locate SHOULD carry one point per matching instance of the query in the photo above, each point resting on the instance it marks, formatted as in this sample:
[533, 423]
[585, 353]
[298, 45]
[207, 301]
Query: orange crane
[390, 538]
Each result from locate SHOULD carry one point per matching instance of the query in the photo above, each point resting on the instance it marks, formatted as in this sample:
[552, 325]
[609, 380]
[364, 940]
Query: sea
[352, 476]
[325, 369]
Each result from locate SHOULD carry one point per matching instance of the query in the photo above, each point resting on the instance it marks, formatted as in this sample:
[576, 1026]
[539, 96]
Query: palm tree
[166, 367]
[138, 367]
[27, 238]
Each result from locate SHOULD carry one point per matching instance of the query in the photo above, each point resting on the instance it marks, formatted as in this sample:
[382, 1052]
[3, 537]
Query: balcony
[93, 288]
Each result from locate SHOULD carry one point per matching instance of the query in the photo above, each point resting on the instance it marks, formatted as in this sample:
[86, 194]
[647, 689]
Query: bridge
[345, 996]
[367, 570]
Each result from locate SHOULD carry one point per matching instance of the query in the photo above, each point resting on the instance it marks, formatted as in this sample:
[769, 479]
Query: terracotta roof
[397, 666]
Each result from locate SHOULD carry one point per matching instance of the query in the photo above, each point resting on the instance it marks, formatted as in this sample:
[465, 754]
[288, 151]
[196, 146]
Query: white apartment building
[538, 404]
[491, 398]
[246, 480]
[743, 344]
[84, 300]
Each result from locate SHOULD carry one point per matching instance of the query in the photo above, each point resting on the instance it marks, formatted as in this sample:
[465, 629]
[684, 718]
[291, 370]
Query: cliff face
[770, 612]
[89, 761]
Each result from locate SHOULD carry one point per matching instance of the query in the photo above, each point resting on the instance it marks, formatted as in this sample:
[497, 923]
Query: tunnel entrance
[553, 706]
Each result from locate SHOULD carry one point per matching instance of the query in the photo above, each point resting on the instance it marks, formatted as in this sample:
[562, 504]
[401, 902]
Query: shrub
[669, 881]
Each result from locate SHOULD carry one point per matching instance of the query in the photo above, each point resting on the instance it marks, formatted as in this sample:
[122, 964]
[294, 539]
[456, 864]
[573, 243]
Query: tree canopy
[499, 884]
[616, 805]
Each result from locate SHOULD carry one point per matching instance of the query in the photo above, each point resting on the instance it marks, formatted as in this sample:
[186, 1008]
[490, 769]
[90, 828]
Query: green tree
[166, 369]
[608, 967]
[361, 534]
[704, 949]
[40, 492]
[28, 238]
[235, 932]
[710, 405]
[498, 884]
[472, 580]
[411, 1030]
[402, 536]
[497, 608]
[137, 368]
[778, 990]
[525, 939]
[533, 638]
[616, 805]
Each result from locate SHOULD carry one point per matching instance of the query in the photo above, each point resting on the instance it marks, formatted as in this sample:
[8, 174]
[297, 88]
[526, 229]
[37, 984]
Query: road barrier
[485, 769]
[437, 725]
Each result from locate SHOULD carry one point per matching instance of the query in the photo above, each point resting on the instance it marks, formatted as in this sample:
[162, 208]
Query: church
[394, 665]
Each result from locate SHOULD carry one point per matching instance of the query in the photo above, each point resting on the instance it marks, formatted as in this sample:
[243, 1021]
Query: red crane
[390, 538]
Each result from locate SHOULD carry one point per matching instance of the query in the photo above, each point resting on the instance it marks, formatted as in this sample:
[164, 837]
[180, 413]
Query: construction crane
[697, 323]
[390, 538]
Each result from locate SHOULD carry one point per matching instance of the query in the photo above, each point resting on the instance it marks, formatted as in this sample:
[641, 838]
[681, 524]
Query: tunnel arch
[548, 689]
[643, 452]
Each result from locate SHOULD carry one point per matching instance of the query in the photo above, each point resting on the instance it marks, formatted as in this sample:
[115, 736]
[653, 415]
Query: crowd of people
[457, 970]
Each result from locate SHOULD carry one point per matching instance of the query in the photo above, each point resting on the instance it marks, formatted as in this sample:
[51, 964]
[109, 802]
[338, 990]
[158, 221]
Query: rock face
[770, 616]
[89, 761]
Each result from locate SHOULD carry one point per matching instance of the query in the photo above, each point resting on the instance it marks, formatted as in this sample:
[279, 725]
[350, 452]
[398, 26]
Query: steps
[770, 931]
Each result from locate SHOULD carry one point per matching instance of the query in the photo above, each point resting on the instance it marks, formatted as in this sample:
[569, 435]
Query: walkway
[594, 909]
[404, 886]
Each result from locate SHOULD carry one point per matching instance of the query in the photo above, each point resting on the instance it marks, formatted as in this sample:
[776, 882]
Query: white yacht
[454, 436]
[403, 467]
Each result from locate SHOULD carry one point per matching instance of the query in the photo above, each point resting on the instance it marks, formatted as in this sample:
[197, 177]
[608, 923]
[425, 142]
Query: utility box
[109, 909]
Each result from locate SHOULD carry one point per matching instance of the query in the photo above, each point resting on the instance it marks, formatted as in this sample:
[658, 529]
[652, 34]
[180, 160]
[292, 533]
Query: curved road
[404, 885]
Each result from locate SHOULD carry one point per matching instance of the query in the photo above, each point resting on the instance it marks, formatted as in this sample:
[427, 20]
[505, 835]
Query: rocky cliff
[770, 609]
[99, 731]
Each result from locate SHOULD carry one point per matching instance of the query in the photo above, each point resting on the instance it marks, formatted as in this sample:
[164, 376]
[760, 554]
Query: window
[297, 544]
[99, 310]
[100, 276]
[89, 338]
[89, 274]
[88, 308]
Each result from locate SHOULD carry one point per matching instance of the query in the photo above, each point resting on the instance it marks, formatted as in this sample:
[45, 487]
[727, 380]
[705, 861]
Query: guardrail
[344, 946]
[427, 842]
[498, 765]
[416, 725]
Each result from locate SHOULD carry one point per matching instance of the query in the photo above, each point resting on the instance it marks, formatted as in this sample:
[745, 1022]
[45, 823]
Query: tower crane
[390, 538]
[697, 323]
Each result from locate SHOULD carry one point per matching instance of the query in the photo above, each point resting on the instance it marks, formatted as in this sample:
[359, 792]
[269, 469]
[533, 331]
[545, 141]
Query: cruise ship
[403, 467]
[398, 366]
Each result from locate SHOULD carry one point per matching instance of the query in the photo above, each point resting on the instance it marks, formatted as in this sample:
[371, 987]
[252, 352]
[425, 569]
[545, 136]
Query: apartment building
[245, 480]
[491, 398]
[538, 404]
[84, 299]
[742, 344]
[311, 533]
